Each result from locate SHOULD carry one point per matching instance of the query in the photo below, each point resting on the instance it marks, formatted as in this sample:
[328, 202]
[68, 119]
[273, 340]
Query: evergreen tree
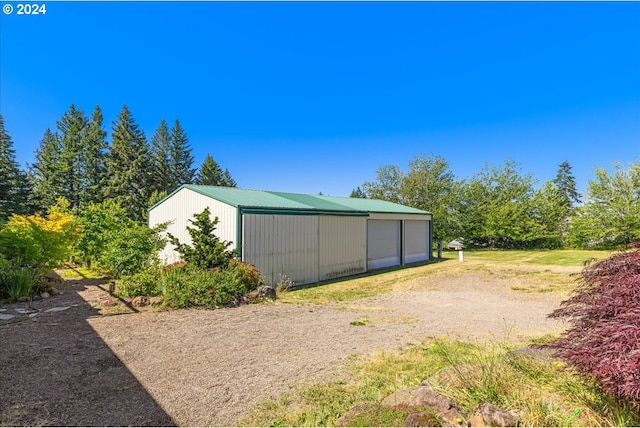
[181, 160]
[46, 174]
[94, 168]
[227, 180]
[163, 172]
[72, 128]
[566, 187]
[128, 166]
[13, 190]
[210, 173]
[358, 193]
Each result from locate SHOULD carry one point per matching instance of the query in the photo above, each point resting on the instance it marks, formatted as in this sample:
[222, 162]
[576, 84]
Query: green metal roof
[245, 198]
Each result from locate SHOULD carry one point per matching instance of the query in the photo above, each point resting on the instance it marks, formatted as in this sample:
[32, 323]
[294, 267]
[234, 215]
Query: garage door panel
[383, 243]
[416, 241]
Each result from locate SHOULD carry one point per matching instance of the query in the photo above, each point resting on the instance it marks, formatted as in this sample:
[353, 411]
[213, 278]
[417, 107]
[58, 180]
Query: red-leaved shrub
[604, 338]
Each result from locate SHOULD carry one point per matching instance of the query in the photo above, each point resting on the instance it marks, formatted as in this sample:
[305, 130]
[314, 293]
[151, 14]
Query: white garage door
[416, 241]
[383, 243]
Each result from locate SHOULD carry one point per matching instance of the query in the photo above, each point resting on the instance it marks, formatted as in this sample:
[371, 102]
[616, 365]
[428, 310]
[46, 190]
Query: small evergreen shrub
[206, 251]
[604, 338]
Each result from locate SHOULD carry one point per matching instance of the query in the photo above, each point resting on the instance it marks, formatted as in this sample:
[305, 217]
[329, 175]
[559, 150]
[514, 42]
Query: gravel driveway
[195, 367]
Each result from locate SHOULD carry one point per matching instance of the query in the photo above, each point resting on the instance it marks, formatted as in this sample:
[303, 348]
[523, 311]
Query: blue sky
[315, 96]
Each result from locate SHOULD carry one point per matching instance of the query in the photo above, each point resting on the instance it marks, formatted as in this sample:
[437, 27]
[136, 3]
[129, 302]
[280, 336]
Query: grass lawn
[532, 257]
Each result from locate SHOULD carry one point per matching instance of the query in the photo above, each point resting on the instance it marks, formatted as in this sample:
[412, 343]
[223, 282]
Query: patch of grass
[542, 390]
[535, 257]
[80, 273]
[360, 322]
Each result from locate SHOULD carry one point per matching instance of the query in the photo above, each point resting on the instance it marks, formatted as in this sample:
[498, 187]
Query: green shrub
[206, 250]
[190, 286]
[145, 283]
[15, 282]
[131, 250]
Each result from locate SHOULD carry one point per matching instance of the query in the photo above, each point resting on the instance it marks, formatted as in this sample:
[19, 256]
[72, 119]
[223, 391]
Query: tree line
[500, 207]
[75, 161]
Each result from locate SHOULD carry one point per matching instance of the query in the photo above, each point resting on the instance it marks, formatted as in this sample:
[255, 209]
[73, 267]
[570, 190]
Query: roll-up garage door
[383, 243]
[416, 241]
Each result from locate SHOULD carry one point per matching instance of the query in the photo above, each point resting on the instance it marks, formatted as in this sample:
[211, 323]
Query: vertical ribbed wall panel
[343, 246]
[281, 244]
[416, 241]
[180, 208]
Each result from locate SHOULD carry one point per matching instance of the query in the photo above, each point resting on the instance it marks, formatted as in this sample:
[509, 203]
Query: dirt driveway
[74, 366]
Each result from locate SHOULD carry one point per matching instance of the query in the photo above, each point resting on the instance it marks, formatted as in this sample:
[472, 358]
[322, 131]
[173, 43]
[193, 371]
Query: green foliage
[358, 193]
[611, 215]
[181, 160]
[13, 185]
[132, 249]
[37, 240]
[129, 166]
[190, 286]
[100, 223]
[210, 174]
[143, 283]
[207, 250]
[565, 184]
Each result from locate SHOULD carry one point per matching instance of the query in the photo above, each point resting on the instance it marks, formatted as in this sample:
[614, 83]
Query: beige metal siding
[383, 243]
[343, 246]
[281, 244]
[416, 241]
[180, 208]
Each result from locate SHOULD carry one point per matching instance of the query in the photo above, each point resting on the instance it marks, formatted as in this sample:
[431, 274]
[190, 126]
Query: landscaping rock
[155, 301]
[6, 317]
[108, 301]
[45, 295]
[266, 291]
[401, 396]
[488, 415]
[425, 396]
[345, 420]
[421, 419]
[140, 301]
[58, 309]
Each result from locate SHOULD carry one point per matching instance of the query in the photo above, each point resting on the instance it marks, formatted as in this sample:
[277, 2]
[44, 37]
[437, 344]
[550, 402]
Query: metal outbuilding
[308, 238]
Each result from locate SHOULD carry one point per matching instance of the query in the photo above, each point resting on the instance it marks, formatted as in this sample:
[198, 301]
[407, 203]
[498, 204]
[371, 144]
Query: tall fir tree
[94, 168]
[358, 193]
[181, 159]
[163, 180]
[72, 131]
[227, 180]
[46, 173]
[565, 183]
[210, 173]
[128, 166]
[13, 188]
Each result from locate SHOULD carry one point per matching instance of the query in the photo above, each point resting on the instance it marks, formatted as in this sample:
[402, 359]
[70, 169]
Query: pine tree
[210, 173]
[128, 166]
[566, 185]
[163, 180]
[46, 174]
[13, 191]
[94, 168]
[182, 171]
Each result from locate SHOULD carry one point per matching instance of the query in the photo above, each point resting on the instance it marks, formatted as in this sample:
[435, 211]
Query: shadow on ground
[56, 370]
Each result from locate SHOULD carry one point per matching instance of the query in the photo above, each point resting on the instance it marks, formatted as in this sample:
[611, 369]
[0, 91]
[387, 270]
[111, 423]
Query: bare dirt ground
[81, 366]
